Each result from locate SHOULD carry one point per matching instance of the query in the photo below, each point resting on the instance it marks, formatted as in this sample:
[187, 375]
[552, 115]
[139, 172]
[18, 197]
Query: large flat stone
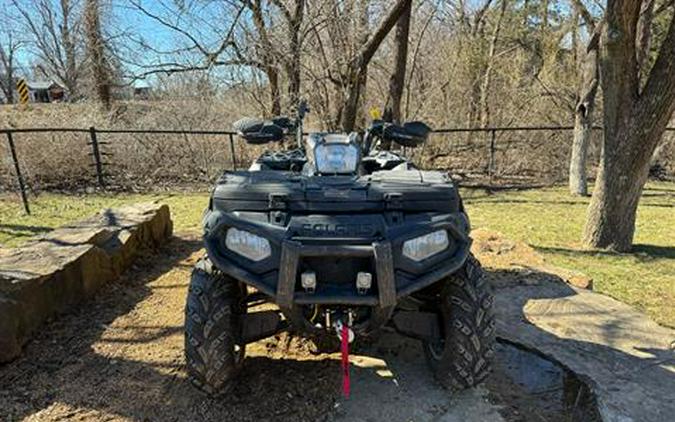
[626, 359]
[53, 272]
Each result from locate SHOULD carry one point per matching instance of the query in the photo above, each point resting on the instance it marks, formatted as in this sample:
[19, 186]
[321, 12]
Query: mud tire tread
[468, 321]
[211, 325]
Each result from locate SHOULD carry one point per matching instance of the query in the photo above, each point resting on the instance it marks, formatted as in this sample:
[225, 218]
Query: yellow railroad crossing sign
[22, 89]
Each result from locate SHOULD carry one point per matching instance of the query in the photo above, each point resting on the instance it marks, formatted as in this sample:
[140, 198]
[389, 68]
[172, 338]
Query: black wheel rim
[437, 346]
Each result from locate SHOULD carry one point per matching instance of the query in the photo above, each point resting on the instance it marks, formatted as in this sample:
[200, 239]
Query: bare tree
[9, 46]
[489, 65]
[96, 52]
[397, 78]
[635, 118]
[192, 51]
[587, 88]
[276, 53]
[54, 29]
[472, 44]
[266, 53]
[292, 61]
[392, 110]
[358, 65]
[258, 44]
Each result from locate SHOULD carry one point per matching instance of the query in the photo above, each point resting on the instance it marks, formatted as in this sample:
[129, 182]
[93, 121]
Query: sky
[127, 28]
[208, 19]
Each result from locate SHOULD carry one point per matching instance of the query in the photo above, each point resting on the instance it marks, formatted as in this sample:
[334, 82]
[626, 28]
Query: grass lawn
[49, 211]
[551, 221]
[548, 219]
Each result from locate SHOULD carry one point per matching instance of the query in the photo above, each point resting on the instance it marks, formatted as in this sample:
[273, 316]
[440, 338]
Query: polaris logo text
[337, 230]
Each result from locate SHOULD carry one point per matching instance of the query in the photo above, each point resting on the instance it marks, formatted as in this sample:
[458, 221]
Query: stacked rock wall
[53, 272]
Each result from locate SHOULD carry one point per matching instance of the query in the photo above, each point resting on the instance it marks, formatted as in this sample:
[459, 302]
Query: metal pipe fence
[97, 153]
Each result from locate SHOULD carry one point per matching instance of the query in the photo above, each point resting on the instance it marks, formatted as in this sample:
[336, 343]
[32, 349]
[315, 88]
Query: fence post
[19, 176]
[232, 154]
[97, 156]
[491, 162]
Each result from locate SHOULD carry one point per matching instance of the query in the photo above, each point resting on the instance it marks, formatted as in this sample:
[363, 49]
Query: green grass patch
[49, 211]
[548, 219]
[551, 221]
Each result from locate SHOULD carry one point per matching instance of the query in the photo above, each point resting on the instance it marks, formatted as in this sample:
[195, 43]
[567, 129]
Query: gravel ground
[120, 357]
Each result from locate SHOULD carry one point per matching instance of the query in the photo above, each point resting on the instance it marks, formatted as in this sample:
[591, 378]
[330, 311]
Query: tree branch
[370, 47]
[658, 95]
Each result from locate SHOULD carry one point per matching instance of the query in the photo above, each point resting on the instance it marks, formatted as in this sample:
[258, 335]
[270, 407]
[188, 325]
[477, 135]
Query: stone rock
[574, 278]
[55, 271]
[624, 358]
[495, 251]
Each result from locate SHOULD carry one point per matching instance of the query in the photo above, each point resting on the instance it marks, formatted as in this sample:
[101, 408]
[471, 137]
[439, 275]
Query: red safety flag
[344, 334]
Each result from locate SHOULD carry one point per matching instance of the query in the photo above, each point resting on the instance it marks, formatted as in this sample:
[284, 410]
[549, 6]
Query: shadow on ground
[22, 231]
[119, 356]
[640, 252]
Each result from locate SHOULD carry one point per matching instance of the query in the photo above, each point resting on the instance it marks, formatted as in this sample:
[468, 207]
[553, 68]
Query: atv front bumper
[394, 275]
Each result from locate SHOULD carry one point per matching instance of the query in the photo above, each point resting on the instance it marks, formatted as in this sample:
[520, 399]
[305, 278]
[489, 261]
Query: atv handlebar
[410, 134]
[258, 131]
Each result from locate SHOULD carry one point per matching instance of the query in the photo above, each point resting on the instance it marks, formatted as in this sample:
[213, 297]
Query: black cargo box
[406, 190]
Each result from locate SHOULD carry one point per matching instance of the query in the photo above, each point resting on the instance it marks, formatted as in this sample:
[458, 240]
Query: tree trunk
[358, 66]
[70, 76]
[472, 116]
[267, 55]
[583, 116]
[634, 123]
[397, 79]
[583, 126]
[9, 83]
[7, 60]
[644, 34]
[487, 76]
[544, 15]
[293, 67]
[275, 93]
[96, 51]
[618, 187]
[351, 107]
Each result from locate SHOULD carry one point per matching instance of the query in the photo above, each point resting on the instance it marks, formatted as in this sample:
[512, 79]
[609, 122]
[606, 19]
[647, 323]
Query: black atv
[345, 239]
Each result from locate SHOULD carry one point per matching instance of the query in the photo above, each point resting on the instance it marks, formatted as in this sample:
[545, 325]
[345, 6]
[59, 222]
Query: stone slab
[53, 272]
[626, 359]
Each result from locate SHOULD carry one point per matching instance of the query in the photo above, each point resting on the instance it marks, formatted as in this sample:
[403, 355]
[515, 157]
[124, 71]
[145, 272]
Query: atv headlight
[247, 244]
[336, 158]
[333, 153]
[426, 246]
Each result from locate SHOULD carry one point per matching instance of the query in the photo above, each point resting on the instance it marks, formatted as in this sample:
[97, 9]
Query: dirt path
[120, 357]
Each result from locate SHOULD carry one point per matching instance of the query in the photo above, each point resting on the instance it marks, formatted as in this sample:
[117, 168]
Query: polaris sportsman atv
[345, 239]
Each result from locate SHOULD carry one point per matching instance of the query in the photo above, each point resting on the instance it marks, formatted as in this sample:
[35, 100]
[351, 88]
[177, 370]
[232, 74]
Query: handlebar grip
[248, 125]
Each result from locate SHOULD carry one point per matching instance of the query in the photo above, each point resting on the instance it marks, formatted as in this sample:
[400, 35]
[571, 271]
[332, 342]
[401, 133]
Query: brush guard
[382, 304]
